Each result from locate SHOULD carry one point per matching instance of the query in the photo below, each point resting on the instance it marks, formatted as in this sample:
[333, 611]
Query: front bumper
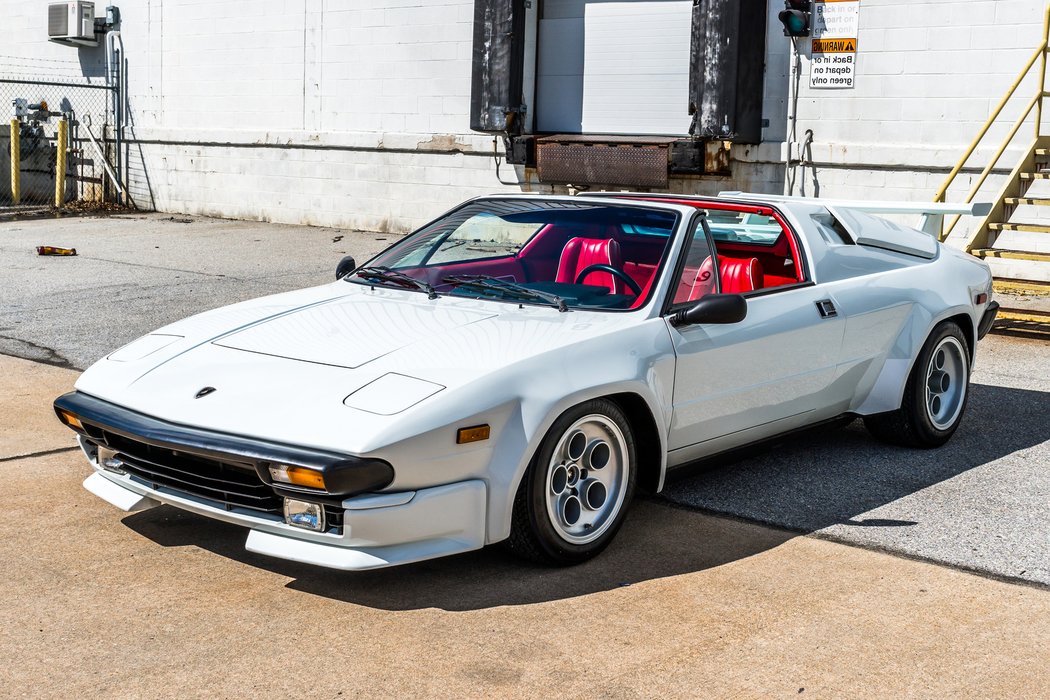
[226, 477]
[231, 468]
[378, 529]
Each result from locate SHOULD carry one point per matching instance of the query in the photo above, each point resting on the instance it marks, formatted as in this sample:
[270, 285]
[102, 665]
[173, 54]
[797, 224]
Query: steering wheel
[620, 274]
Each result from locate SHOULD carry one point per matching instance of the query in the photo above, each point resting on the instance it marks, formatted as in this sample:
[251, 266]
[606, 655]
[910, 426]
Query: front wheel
[935, 396]
[575, 493]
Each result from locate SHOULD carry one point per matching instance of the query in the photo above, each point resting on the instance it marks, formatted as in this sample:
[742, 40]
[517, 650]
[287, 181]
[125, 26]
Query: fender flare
[499, 522]
[888, 390]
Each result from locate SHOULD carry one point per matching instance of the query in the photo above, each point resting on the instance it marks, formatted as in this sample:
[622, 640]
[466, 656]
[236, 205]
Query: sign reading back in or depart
[834, 44]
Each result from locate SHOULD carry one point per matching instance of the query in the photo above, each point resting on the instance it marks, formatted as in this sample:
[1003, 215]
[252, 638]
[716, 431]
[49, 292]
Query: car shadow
[797, 486]
[813, 481]
[656, 541]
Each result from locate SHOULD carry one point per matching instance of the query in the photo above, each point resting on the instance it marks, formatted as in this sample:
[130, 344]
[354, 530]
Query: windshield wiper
[399, 278]
[495, 284]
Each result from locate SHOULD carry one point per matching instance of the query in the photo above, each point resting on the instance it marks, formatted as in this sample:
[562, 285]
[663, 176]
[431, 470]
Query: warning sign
[834, 44]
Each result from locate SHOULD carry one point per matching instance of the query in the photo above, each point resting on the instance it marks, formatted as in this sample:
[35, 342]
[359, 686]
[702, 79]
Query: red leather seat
[697, 282]
[740, 275]
[580, 253]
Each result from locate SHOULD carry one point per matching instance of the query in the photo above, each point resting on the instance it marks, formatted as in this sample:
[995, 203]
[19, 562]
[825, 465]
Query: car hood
[351, 331]
[337, 367]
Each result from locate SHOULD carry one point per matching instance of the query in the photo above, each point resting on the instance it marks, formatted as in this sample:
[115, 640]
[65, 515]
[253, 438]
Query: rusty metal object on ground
[54, 250]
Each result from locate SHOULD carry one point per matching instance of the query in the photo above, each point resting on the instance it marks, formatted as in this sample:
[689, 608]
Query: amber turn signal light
[297, 476]
[473, 434]
[70, 420]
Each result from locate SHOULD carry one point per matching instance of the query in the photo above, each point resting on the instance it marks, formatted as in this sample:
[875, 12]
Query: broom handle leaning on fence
[105, 163]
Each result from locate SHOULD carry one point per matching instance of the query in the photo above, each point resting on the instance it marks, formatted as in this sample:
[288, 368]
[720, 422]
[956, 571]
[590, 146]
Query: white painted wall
[357, 114]
[928, 75]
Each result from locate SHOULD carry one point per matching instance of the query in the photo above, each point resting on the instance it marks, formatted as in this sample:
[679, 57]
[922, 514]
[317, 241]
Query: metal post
[792, 106]
[60, 163]
[16, 161]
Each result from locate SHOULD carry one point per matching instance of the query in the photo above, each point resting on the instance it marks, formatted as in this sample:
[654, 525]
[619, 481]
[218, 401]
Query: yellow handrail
[1036, 102]
[991, 120]
[1042, 73]
[1032, 103]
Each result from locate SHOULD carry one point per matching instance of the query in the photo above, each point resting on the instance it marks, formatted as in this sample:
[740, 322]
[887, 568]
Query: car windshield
[528, 251]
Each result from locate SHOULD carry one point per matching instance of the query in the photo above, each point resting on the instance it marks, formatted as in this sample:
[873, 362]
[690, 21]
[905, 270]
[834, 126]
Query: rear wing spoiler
[931, 213]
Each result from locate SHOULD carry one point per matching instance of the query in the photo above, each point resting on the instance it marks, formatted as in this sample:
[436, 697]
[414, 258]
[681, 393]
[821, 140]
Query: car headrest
[740, 275]
[580, 253]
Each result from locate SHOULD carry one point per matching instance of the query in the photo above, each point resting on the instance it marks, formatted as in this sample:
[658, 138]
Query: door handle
[827, 308]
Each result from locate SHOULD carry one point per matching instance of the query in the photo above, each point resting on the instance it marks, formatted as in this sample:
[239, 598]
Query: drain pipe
[115, 80]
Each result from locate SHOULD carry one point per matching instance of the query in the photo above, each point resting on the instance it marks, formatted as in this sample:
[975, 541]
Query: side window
[697, 277]
[755, 251]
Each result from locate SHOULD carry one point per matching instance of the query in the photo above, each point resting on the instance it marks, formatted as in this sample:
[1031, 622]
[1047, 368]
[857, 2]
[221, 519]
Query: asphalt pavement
[981, 503]
[136, 272]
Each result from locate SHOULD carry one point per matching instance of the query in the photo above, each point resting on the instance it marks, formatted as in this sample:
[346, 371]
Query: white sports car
[514, 370]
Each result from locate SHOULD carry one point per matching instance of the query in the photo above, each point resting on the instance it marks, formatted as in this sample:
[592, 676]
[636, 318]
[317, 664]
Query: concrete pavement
[27, 421]
[684, 604]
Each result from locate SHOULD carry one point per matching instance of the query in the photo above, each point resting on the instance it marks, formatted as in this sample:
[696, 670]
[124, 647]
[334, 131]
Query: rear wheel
[575, 493]
[935, 396]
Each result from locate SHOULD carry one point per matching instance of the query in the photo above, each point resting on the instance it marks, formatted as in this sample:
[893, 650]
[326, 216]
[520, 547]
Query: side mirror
[345, 267]
[713, 308]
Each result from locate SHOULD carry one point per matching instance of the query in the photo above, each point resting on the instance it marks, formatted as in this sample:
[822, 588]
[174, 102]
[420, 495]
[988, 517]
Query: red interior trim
[796, 254]
[705, 204]
[747, 209]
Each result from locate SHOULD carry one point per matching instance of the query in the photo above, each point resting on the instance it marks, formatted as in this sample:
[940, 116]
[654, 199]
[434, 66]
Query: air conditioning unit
[72, 23]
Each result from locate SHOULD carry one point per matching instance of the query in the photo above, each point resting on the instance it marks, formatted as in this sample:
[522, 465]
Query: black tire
[534, 535]
[913, 424]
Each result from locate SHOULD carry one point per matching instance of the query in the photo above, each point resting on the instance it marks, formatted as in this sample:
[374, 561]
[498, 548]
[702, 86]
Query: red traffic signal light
[795, 18]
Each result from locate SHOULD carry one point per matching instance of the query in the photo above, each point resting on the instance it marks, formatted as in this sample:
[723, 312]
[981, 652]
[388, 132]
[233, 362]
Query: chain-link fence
[35, 112]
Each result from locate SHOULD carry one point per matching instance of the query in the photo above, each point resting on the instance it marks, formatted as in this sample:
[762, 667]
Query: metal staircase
[1015, 235]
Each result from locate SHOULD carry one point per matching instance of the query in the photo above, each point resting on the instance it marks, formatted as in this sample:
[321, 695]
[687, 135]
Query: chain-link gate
[42, 118]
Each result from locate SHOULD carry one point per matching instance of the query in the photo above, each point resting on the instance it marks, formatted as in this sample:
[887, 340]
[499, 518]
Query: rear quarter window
[743, 227]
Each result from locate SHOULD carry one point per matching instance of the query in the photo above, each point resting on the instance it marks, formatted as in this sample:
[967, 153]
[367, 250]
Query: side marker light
[472, 434]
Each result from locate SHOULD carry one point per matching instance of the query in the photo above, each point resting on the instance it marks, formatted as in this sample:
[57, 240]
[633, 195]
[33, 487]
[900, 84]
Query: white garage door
[614, 67]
